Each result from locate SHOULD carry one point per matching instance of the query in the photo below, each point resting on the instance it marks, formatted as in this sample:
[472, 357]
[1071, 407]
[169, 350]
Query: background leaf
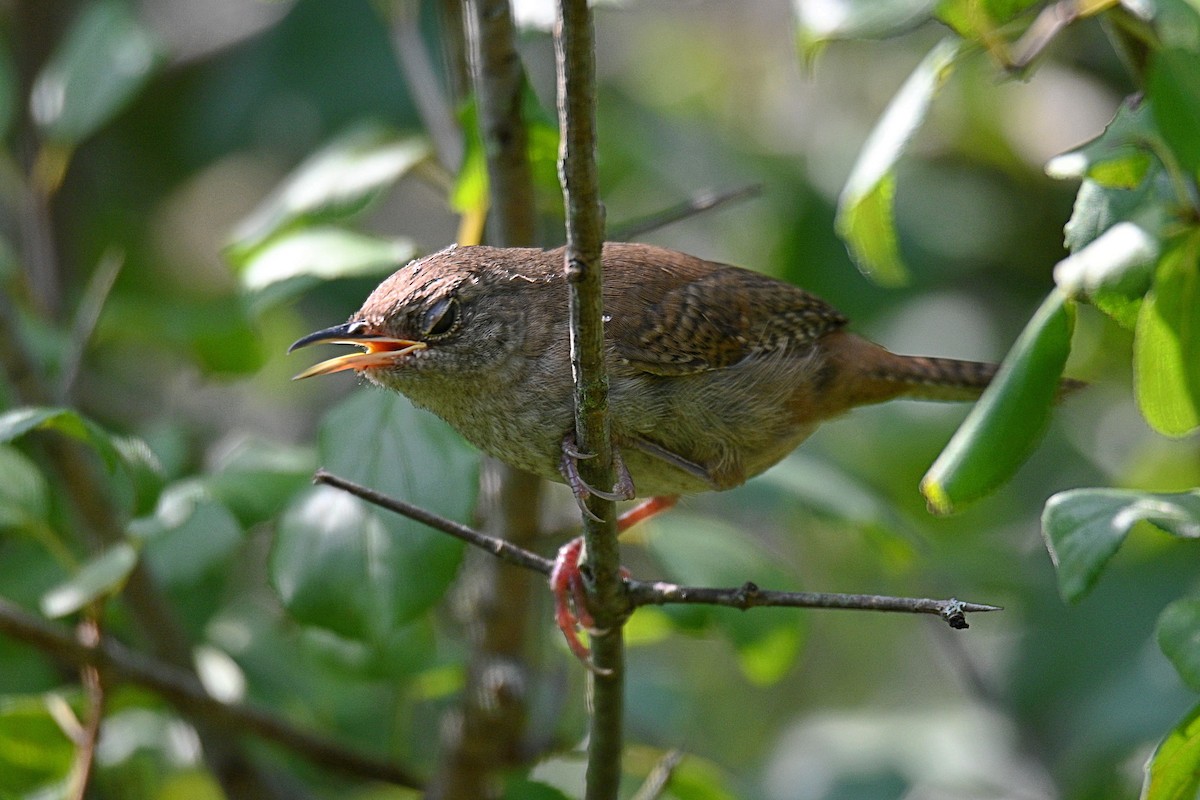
[865, 216]
[35, 754]
[101, 576]
[104, 61]
[358, 571]
[1173, 772]
[1083, 528]
[1178, 633]
[1167, 343]
[1009, 418]
[699, 551]
[338, 181]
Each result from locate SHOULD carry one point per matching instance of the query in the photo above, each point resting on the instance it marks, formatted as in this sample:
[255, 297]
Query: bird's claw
[623, 489]
[571, 613]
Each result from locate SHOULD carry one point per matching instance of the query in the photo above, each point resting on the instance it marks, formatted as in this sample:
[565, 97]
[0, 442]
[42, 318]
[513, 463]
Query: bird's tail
[924, 378]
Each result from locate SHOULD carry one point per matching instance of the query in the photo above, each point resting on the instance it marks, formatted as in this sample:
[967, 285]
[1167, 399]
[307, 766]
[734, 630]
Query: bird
[715, 372]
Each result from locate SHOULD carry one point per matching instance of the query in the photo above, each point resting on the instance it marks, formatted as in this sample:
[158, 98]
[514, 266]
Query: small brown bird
[715, 372]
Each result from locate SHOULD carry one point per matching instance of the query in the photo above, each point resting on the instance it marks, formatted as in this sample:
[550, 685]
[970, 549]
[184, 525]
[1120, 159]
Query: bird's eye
[441, 319]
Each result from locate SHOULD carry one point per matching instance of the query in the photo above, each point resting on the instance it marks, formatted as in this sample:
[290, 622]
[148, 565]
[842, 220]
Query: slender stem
[694, 205]
[575, 55]
[184, 691]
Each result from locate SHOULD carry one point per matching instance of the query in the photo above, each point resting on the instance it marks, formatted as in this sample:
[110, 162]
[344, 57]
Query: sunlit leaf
[1119, 260]
[295, 261]
[822, 21]
[102, 576]
[337, 182]
[189, 534]
[1119, 158]
[1003, 427]
[106, 57]
[1083, 528]
[130, 454]
[978, 19]
[35, 753]
[865, 218]
[352, 568]
[1174, 90]
[1167, 343]
[1173, 772]
[1178, 633]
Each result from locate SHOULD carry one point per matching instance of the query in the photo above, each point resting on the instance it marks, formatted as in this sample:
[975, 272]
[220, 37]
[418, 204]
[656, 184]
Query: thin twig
[696, 204]
[93, 686]
[419, 75]
[185, 692]
[657, 593]
[87, 315]
[658, 779]
[497, 547]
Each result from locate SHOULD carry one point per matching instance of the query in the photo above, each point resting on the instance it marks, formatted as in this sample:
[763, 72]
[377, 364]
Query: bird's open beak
[378, 351]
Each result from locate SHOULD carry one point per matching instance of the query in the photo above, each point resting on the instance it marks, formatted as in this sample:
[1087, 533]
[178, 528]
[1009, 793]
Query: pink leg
[567, 585]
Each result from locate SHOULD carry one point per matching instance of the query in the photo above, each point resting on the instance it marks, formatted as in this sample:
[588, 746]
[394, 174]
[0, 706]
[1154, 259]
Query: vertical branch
[486, 734]
[575, 55]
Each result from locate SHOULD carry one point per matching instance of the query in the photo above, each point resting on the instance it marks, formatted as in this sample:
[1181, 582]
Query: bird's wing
[681, 315]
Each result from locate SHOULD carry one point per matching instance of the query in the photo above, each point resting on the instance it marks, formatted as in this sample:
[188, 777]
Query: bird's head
[454, 314]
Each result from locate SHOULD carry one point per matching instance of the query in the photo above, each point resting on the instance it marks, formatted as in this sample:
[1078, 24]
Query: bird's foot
[571, 611]
[623, 489]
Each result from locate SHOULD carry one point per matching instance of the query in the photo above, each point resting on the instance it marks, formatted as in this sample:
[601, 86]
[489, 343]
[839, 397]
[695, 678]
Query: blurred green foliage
[253, 172]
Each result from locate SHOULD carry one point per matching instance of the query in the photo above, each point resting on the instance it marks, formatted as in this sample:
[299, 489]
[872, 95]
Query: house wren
[715, 372]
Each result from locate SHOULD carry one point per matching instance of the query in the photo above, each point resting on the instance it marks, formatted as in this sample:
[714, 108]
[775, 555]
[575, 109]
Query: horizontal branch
[183, 690]
[658, 593]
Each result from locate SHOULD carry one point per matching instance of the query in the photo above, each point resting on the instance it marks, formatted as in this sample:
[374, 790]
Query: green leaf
[1178, 633]
[696, 778]
[1083, 528]
[1119, 261]
[214, 332]
[978, 19]
[35, 754]
[24, 495]
[517, 787]
[295, 261]
[1173, 772]
[1173, 86]
[189, 534]
[1119, 158]
[1003, 427]
[101, 64]
[822, 21]
[699, 551]
[361, 572]
[337, 182]
[865, 217]
[132, 455]
[100, 577]
[256, 477]
[1166, 357]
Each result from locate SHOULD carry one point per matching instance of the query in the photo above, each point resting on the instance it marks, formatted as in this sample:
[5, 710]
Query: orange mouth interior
[376, 353]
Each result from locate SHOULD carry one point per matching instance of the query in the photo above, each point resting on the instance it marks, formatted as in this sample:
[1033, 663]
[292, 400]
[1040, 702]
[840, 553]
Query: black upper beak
[347, 332]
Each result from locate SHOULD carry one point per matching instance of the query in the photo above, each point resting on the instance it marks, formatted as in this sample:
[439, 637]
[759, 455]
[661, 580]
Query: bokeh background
[1043, 700]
